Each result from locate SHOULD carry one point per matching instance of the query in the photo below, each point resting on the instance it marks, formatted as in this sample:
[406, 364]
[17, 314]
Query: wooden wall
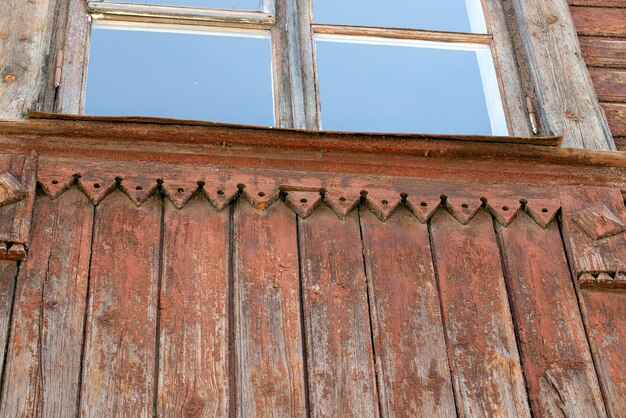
[127, 310]
[601, 26]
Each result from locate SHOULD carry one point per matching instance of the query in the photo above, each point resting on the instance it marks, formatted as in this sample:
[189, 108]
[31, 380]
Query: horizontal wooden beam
[422, 35]
[171, 14]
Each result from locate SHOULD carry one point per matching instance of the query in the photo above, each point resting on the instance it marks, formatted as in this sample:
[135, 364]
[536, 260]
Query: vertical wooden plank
[485, 364]
[193, 353]
[338, 333]
[120, 352]
[556, 358]
[604, 314]
[566, 96]
[44, 356]
[268, 334]
[8, 271]
[411, 358]
[25, 33]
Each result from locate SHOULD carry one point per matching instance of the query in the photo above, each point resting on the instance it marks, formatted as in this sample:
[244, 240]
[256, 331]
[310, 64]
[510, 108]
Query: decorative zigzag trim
[616, 280]
[304, 200]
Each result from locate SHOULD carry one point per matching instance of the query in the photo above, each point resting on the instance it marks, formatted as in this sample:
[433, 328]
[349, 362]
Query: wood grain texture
[25, 40]
[600, 21]
[604, 52]
[193, 353]
[616, 115]
[75, 55]
[338, 335]
[567, 102]
[8, 273]
[270, 378]
[604, 313]
[610, 84]
[411, 358]
[120, 352]
[620, 143]
[485, 364]
[555, 354]
[44, 356]
[598, 3]
[587, 255]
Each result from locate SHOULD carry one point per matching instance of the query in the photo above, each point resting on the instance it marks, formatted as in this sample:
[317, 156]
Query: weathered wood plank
[270, 379]
[604, 52]
[604, 313]
[485, 364]
[193, 353]
[338, 335]
[25, 39]
[12, 164]
[562, 84]
[588, 254]
[599, 3]
[600, 21]
[557, 362]
[411, 358]
[620, 143]
[8, 273]
[610, 84]
[616, 115]
[44, 357]
[118, 377]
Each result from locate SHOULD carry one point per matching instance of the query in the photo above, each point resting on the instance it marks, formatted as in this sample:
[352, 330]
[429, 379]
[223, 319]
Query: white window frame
[296, 98]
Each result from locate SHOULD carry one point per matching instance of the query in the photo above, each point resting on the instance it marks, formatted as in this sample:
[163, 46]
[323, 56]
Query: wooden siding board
[193, 352]
[556, 358]
[616, 115]
[486, 370]
[270, 377]
[600, 21]
[604, 52]
[338, 333]
[44, 356]
[118, 377]
[604, 313]
[411, 358]
[610, 84]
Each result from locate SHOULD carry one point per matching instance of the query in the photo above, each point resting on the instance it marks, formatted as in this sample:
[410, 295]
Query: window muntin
[441, 15]
[293, 38]
[208, 4]
[382, 85]
[180, 72]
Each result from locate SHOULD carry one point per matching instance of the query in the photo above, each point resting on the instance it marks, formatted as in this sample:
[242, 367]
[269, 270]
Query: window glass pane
[445, 15]
[191, 75]
[208, 4]
[408, 86]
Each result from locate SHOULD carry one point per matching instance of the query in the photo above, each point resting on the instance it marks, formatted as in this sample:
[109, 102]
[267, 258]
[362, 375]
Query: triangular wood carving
[504, 210]
[180, 193]
[303, 203]
[383, 203]
[463, 208]
[138, 189]
[543, 211]
[342, 202]
[11, 190]
[261, 194]
[423, 207]
[96, 188]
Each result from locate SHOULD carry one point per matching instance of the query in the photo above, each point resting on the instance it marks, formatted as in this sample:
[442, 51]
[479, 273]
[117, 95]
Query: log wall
[601, 26]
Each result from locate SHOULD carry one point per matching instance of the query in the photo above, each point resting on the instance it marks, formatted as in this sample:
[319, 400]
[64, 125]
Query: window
[348, 65]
